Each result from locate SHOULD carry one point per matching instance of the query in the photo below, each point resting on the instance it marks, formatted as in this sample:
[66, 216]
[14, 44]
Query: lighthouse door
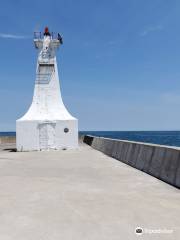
[46, 136]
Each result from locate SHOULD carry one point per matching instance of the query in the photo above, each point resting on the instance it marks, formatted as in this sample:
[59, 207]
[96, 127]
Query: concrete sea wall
[7, 139]
[162, 162]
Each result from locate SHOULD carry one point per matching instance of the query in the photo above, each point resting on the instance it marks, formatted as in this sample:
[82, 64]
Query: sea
[169, 138]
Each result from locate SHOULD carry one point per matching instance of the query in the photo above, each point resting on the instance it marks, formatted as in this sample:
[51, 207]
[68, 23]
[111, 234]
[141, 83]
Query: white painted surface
[42, 127]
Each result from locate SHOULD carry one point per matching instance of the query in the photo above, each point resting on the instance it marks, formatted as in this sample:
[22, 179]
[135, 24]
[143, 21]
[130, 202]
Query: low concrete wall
[7, 139]
[162, 162]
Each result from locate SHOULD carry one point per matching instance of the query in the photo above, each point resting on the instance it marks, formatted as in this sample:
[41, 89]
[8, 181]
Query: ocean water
[7, 134]
[171, 138]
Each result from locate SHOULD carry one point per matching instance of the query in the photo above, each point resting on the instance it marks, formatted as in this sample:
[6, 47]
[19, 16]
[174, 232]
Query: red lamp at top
[46, 32]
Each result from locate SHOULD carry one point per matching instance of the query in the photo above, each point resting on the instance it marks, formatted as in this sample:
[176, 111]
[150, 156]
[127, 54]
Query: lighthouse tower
[47, 124]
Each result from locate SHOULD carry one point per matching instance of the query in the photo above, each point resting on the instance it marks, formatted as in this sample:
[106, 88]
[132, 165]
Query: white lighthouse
[47, 124]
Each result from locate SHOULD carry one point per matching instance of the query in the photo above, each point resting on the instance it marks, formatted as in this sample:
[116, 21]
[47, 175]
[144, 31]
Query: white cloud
[151, 29]
[12, 36]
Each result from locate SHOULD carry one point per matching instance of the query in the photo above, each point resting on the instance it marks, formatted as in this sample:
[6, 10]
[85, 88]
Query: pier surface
[82, 194]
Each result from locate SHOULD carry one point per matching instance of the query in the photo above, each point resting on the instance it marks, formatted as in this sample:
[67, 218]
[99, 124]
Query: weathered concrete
[162, 162]
[7, 139]
[81, 194]
[7, 143]
[144, 157]
[170, 166]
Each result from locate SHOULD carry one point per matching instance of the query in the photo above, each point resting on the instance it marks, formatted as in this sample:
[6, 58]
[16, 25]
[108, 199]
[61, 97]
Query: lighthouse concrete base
[45, 135]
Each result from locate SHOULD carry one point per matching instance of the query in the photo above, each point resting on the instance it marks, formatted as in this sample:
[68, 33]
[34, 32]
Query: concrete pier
[82, 194]
[7, 142]
[162, 162]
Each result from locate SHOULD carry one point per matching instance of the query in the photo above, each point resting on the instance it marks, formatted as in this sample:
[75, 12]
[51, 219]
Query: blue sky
[119, 66]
